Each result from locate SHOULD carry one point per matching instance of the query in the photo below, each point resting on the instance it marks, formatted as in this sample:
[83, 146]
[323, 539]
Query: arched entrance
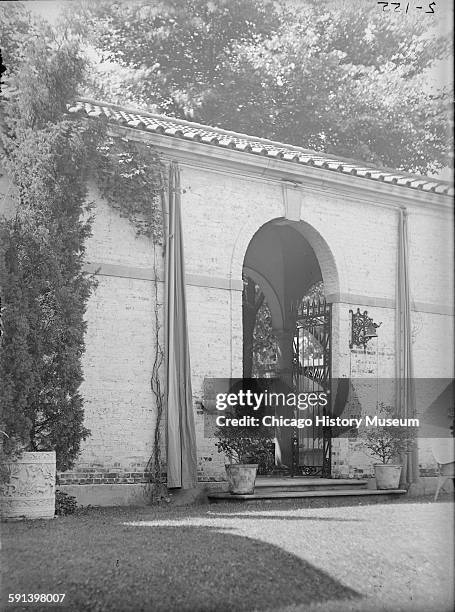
[287, 333]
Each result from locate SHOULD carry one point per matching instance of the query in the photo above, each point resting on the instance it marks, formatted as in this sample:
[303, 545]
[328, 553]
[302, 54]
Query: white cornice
[199, 155]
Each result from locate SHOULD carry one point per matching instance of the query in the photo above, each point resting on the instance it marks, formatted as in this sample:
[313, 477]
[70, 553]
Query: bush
[64, 504]
[265, 457]
[245, 444]
[387, 443]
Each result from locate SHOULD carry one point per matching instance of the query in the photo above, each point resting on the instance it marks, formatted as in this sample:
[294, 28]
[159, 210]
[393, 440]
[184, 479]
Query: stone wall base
[426, 485]
[137, 494]
[109, 494]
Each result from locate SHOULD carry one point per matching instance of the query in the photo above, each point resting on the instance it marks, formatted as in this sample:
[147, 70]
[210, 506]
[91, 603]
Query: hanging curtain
[181, 436]
[405, 392]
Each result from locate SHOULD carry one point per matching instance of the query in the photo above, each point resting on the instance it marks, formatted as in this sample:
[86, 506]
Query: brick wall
[355, 239]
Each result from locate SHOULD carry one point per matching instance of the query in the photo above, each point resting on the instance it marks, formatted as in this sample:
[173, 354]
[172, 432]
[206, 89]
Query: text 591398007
[36, 597]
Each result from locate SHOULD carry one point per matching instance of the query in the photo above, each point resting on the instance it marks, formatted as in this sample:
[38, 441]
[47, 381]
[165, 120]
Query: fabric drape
[181, 436]
[405, 390]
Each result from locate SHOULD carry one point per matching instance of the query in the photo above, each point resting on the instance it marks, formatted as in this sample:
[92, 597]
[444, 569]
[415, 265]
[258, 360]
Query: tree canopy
[343, 78]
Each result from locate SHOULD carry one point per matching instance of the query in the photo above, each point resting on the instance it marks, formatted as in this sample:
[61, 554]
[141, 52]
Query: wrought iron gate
[311, 446]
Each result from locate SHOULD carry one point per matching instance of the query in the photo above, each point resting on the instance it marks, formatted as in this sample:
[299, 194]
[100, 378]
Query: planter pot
[387, 475]
[30, 491]
[241, 478]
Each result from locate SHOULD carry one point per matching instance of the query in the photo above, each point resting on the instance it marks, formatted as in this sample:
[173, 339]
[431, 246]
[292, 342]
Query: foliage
[16, 30]
[252, 300]
[265, 348]
[49, 158]
[130, 177]
[264, 343]
[44, 287]
[245, 444]
[387, 443]
[264, 456]
[180, 51]
[64, 504]
[344, 78]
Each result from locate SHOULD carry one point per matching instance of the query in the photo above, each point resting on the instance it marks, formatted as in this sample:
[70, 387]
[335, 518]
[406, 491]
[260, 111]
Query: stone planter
[30, 490]
[241, 478]
[387, 475]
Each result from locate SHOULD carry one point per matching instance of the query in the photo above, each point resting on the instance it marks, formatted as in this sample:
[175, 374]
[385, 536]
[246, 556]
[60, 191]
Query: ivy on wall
[131, 179]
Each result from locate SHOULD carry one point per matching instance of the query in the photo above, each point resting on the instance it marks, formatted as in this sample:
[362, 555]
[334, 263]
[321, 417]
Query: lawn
[393, 556]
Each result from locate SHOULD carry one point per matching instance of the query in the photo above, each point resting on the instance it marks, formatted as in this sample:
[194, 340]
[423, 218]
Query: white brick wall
[355, 238]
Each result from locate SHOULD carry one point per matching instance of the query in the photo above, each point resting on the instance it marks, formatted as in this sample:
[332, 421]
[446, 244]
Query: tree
[387, 442]
[252, 300]
[178, 52]
[260, 346]
[49, 157]
[345, 79]
[265, 348]
[16, 27]
[43, 285]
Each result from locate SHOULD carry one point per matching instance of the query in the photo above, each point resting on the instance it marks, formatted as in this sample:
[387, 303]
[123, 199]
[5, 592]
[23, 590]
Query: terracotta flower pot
[30, 490]
[387, 475]
[241, 478]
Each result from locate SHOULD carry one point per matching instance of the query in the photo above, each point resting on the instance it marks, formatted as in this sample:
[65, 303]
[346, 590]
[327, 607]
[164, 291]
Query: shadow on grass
[214, 569]
[165, 568]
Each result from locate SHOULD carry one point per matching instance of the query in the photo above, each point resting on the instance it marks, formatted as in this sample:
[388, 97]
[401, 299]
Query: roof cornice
[268, 158]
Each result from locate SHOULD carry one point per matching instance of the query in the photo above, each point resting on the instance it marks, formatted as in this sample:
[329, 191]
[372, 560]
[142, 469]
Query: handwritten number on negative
[397, 5]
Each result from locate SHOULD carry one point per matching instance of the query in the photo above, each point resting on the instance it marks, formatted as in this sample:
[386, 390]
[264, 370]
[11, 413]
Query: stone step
[259, 495]
[271, 484]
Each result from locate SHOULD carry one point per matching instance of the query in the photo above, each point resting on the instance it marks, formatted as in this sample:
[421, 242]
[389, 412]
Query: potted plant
[41, 345]
[387, 443]
[245, 448]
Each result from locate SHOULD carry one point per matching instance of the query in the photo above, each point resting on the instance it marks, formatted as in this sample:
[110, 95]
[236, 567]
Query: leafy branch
[388, 442]
[130, 177]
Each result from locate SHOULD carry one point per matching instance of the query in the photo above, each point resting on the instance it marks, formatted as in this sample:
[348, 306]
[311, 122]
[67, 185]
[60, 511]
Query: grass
[395, 556]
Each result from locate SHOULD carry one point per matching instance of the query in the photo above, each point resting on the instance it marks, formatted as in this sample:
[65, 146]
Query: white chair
[446, 472]
[444, 453]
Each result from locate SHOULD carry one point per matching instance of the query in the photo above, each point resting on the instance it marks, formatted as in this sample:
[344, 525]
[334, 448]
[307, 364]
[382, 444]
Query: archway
[281, 270]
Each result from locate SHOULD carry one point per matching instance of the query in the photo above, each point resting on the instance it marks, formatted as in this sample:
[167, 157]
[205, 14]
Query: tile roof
[195, 132]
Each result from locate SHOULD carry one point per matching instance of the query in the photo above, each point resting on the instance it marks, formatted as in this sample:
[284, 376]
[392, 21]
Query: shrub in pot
[387, 443]
[245, 447]
[42, 342]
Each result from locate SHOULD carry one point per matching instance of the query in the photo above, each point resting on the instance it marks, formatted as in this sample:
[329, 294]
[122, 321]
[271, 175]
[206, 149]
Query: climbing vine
[130, 177]
[155, 464]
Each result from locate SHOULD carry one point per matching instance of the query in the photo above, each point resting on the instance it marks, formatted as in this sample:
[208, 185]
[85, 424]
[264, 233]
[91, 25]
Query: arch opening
[286, 264]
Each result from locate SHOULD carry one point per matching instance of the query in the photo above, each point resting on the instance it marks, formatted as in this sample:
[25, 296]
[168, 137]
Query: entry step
[343, 492]
[270, 483]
